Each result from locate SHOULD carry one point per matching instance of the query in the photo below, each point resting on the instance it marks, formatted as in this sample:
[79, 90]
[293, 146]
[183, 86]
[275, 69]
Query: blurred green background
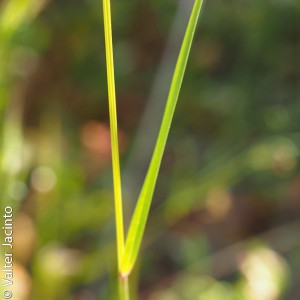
[224, 220]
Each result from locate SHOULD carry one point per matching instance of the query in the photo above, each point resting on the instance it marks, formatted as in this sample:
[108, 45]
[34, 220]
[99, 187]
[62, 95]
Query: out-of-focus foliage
[230, 175]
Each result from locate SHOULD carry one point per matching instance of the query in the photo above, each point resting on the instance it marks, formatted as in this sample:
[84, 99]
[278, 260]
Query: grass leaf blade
[139, 219]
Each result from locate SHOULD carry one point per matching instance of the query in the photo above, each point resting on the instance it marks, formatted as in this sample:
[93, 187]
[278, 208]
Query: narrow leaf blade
[140, 216]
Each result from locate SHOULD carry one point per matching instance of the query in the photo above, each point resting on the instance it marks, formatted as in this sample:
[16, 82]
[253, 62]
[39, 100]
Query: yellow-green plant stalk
[113, 129]
[123, 282]
[128, 252]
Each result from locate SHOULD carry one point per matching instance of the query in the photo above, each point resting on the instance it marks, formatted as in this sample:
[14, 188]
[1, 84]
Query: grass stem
[113, 129]
[124, 288]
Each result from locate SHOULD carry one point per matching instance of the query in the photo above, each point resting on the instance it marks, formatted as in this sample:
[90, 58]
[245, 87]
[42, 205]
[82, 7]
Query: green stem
[124, 288]
[113, 129]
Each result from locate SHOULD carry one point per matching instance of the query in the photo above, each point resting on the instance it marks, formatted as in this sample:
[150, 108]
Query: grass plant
[128, 249]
